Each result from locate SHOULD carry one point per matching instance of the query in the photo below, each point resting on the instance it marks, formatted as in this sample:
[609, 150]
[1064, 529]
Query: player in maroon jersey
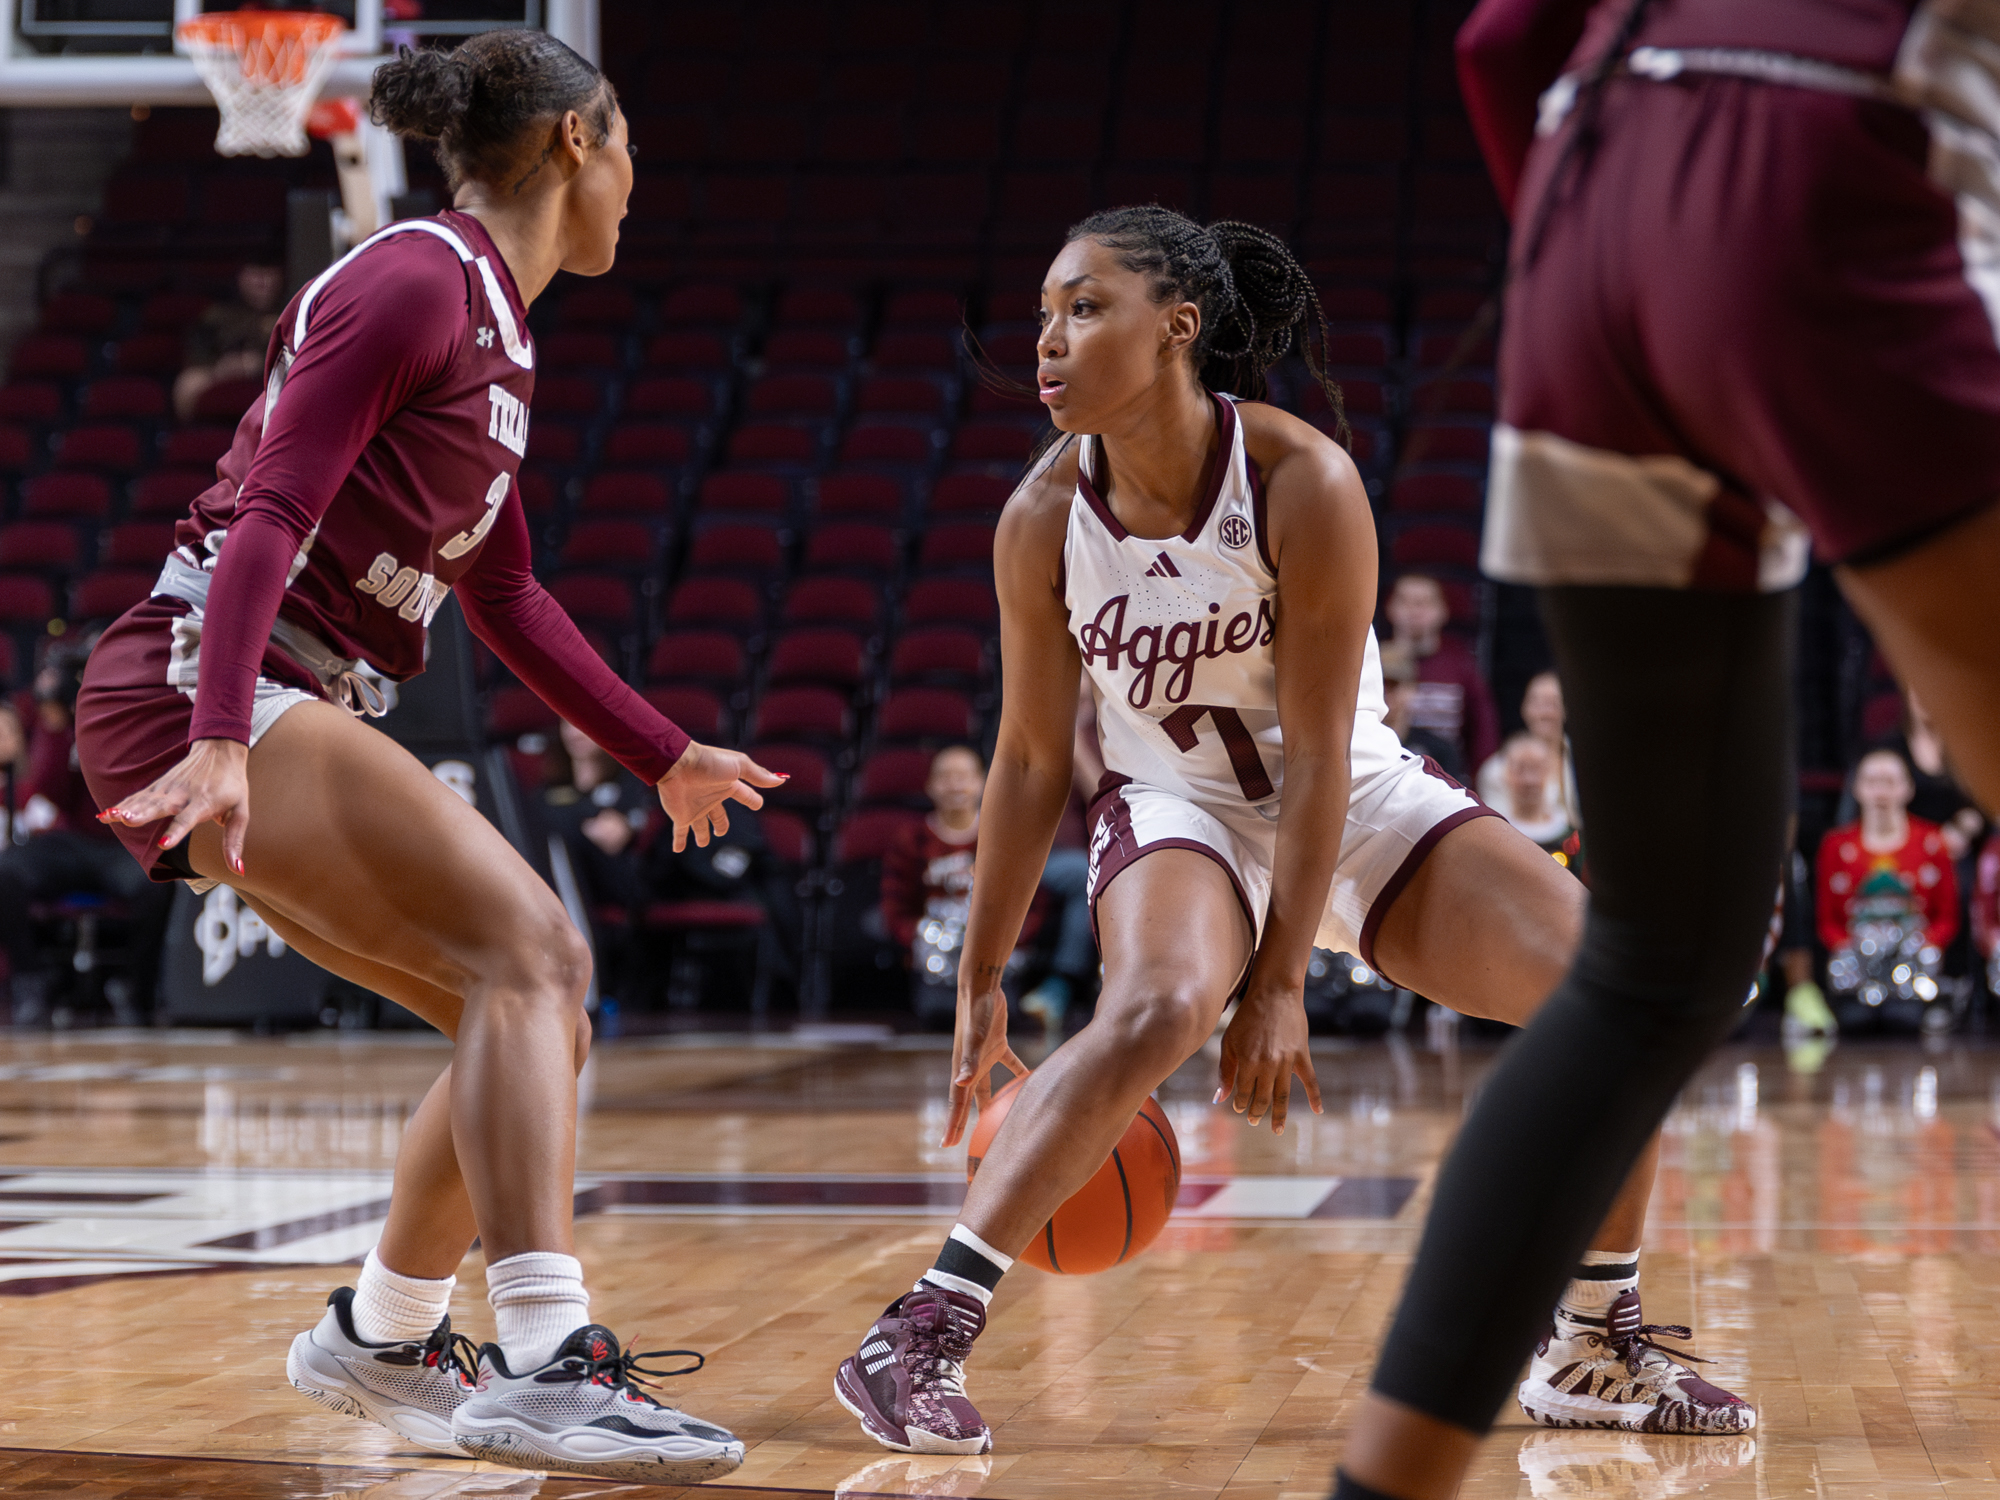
[1750, 302]
[218, 726]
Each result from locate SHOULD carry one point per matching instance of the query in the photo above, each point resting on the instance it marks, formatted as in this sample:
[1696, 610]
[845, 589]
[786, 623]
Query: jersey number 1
[1237, 741]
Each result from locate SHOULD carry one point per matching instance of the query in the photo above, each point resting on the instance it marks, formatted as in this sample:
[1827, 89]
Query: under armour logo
[1235, 531]
[486, 338]
[1163, 567]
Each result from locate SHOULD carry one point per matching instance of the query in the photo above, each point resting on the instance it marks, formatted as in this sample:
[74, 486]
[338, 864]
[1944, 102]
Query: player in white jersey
[1211, 566]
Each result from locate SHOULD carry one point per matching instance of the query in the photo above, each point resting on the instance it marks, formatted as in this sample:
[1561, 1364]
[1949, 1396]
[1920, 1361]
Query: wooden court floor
[175, 1206]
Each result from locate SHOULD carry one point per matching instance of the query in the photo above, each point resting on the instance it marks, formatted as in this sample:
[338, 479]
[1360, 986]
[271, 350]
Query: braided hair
[1254, 296]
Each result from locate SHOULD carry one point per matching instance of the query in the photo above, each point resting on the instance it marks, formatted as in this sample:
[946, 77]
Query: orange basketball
[1116, 1214]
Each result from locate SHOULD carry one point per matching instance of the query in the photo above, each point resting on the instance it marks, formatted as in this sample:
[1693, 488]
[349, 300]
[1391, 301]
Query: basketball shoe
[583, 1413]
[907, 1382]
[410, 1388]
[1611, 1374]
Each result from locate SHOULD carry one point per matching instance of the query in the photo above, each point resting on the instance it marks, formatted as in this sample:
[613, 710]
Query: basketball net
[265, 68]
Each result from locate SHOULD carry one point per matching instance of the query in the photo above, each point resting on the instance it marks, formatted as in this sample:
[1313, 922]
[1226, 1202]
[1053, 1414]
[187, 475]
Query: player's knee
[546, 962]
[583, 1034]
[1162, 1021]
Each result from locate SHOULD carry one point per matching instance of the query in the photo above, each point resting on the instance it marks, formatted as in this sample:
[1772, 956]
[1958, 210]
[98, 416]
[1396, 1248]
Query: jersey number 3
[1237, 742]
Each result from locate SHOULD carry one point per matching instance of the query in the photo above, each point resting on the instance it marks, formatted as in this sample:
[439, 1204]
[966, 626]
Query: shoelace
[1629, 1345]
[951, 1345]
[358, 695]
[453, 1351]
[624, 1371]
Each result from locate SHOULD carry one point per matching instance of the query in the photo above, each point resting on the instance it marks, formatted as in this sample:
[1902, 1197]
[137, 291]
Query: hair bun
[422, 94]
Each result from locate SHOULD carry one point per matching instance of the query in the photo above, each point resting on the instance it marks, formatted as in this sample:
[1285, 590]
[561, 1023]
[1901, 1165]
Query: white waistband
[1662, 64]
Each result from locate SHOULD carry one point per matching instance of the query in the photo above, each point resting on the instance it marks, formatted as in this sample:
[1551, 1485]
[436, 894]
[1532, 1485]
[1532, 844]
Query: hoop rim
[217, 28]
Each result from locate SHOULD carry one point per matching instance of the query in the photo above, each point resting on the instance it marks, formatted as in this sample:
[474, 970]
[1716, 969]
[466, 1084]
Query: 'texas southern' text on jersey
[435, 456]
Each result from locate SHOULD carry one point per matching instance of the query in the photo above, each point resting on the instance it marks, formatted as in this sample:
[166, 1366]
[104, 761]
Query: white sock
[1587, 1297]
[978, 1267]
[390, 1307]
[538, 1301]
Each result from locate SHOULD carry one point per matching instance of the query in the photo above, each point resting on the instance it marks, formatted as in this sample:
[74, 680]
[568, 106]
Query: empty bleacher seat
[658, 443]
[809, 713]
[956, 544]
[110, 592]
[1435, 546]
[858, 495]
[940, 601]
[733, 603]
[1432, 492]
[817, 655]
[938, 655]
[925, 713]
[199, 445]
[25, 598]
[713, 656]
[852, 546]
[811, 778]
[737, 546]
[111, 446]
[895, 776]
[696, 710]
[970, 492]
[136, 544]
[832, 600]
[629, 545]
[764, 494]
[39, 544]
[627, 492]
[128, 396]
[602, 597]
[75, 494]
[169, 492]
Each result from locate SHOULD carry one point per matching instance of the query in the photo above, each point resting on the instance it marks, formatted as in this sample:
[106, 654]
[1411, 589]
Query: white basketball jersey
[1176, 635]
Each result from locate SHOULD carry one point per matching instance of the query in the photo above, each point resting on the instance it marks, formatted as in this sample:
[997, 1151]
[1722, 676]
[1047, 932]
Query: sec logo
[1235, 531]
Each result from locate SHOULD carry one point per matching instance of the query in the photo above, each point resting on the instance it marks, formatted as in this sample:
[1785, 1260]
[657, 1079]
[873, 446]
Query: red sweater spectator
[1889, 865]
[1451, 699]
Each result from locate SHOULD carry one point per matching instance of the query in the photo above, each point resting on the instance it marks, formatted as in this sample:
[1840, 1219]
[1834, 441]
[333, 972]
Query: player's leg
[1176, 941]
[354, 841]
[1488, 926]
[1680, 717]
[1935, 613]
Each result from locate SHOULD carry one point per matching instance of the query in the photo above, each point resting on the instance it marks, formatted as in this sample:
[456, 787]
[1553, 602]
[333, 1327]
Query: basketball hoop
[265, 68]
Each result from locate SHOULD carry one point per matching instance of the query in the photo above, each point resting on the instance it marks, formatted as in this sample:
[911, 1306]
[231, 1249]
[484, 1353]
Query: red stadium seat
[696, 710]
[630, 545]
[886, 443]
[227, 400]
[938, 654]
[516, 711]
[811, 777]
[17, 449]
[834, 658]
[604, 598]
[169, 492]
[648, 443]
[111, 591]
[25, 598]
[137, 544]
[900, 395]
[1457, 393]
[101, 445]
[871, 833]
[670, 396]
[939, 601]
[856, 546]
[132, 396]
[739, 547]
[172, 312]
[30, 401]
[915, 351]
[708, 602]
[1358, 346]
[832, 601]
[1420, 493]
[575, 349]
[83, 497]
[956, 544]
[858, 494]
[804, 713]
[713, 304]
[566, 396]
[773, 443]
[925, 713]
[765, 494]
[808, 349]
[685, 350]
[985, 441]
[787, 835]
[1435, 546]
[601, 304]
[922, 306]
[895, 776]
[1448, 441]
[39, 544]
[537, 491]
[197, 447]
[696, 656]
[627, 492]
[970, 492]
[793, 396]
[553, 442]
[826, 307]
[59, 356]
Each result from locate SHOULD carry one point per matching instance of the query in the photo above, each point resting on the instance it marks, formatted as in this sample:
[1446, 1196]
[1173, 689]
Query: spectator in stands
[1527, 781]
[230, 340]
[601, 812]
[1399, 690]
[1889, 871]
[1542, 714]
[1986, 913]
[1937, 798]
[61, 849]
[927, 882]
[1452, 698]
[13, 743]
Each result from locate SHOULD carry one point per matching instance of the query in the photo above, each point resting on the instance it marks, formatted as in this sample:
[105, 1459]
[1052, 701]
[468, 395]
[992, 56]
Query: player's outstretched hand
[978, 1041]
[210, 785]
[1264, 1046]
[695, 793]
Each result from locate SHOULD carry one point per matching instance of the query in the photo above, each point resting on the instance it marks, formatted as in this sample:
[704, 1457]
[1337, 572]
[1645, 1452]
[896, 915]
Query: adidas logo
[1163, 567]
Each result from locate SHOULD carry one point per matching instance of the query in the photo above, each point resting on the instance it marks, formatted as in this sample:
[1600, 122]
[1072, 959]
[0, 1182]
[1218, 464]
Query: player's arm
[507, 608]
[1508, 52]
[373, 343]
[1029, 783]
[1322, 542]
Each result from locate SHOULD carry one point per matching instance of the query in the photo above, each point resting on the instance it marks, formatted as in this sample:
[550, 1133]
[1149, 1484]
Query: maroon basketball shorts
[1748, 320]
[137, 703]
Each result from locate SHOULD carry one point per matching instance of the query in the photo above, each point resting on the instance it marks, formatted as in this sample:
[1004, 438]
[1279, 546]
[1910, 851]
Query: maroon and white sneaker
[1614, 1375]
[907, 1381]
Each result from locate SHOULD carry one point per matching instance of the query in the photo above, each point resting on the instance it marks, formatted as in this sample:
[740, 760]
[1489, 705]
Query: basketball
[1116, 1214]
